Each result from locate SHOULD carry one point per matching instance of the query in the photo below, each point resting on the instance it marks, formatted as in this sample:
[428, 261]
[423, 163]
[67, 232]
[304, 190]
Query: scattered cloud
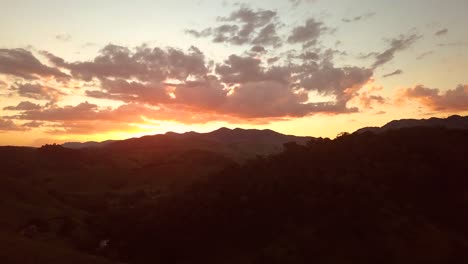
[244, 26]
[308, 33]
[23, 106]
[22, 63]
[63, 37]
[435, 99]
[296, 3]
[424, 55]
[9, 125]
[143, 63]
[37, 91]
[359, 18]
[258, 49]
[398, 44]
[33, 124]
[454, 44]
[396, 72]
[441, 32]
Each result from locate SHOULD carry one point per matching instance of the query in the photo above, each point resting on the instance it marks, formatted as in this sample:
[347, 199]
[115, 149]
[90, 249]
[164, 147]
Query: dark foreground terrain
[397, 196]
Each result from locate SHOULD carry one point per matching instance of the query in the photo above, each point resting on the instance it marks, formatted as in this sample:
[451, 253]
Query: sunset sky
[96, 70]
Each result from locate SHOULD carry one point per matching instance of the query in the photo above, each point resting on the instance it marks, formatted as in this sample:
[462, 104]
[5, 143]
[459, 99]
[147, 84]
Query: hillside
[237, 144]
[452, 122]
[398, 196]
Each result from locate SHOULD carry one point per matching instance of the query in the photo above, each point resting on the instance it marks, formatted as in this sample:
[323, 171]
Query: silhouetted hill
[89, 144]
[399, 196]
[237, 144]
[452, 122]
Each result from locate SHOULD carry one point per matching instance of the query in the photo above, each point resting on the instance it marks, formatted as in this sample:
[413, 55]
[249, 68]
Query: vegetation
[399, 196]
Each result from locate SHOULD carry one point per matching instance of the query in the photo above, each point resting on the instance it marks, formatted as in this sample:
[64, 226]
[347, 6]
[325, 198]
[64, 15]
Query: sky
[96, 70]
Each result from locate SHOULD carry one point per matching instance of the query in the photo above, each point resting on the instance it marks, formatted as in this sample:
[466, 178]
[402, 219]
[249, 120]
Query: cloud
[199, 34]
[203, 95]
[424, 54]
[329, 80]
[309, 56]
[309, 33]
[396, 72]
[143, 63]
[454, 44]
[237, 70]
[258, 49]
[23, 106]
[22, 63]
[130, 91]
[396, 45]
[296, 3]
[244, 26]
[441, 32]
[435, 99]
[63, 37]
[154, 83]
[267, 36]
[368, 96]
[274, 99]
[37, 91]
[33, 124]
[359, 18]
[9, 125]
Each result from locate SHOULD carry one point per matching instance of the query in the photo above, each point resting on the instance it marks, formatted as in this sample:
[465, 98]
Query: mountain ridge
[451, 122]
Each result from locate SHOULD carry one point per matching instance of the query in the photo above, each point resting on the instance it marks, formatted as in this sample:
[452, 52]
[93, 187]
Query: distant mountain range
[452, 122]
[237, 144]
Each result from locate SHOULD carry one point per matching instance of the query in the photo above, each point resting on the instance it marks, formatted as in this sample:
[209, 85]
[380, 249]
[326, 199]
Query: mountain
[237, 144]
[398, 196]
[452, 122]
[88, 144]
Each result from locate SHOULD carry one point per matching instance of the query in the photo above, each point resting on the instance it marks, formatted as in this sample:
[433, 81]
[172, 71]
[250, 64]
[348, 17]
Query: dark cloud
[83, 111]
[244, 26]
[359, 18]
[202, 95]
[437, 100]
[396, 72]
[267, 36]
[453, 44]
[396, 45]
[128, 91]
[273, 59]
[9, 125]
[307, 34]
[33, 124]
[424, 54]
[22, 63]
[296, 3]
[199, 34]
[326, 79]
[23, 106]
[63, 37]
[441, 32]
[258, 49]
[273, 99]
[307, 56]
[237, 69]
[37, 91]
[143, 63]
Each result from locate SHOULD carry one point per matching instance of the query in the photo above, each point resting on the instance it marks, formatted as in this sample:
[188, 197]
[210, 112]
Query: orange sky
[313, 68]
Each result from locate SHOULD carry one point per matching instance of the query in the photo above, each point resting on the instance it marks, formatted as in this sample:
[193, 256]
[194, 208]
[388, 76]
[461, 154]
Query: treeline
[396, 197]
